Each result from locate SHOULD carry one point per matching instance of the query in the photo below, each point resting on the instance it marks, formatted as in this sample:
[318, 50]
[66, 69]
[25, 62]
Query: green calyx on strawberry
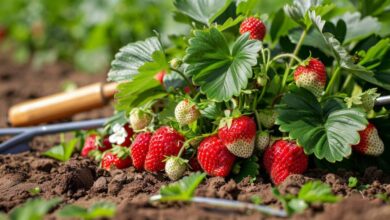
[284, 158]
[238, 135]
[255, 27]
[139, 149]
[262, 140]
[311, 76]
[175, 167]
[139, 119]
[118, 157]
[186, 112]
[166, 141]
[370, 142]
[267, 117]
[214, 158]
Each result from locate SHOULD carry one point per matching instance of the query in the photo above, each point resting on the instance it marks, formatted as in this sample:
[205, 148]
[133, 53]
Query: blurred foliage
[87, 33]
[84, 32]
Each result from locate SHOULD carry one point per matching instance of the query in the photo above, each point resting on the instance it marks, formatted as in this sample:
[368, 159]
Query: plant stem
[346, 82]
[188, 81]
[295, 53]
[284, 55]
[257, 119]
[332, 81]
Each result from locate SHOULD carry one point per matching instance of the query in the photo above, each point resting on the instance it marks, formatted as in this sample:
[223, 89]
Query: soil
[80, 181]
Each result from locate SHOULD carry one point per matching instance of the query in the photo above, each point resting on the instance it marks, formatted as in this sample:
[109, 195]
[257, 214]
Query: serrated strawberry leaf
[131, 57]
[143, 88]
[326, 130]
[355, 22]
[203, 11]
[182, 190]
[221, 72]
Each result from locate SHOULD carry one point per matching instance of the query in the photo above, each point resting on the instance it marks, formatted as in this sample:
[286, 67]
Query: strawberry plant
[242, 87]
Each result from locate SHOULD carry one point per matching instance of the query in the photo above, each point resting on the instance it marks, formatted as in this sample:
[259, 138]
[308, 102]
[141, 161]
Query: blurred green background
[87, 33]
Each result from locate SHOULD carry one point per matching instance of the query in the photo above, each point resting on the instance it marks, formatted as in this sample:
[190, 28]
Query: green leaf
[203, 11]
[245, 7]
[317, 191]
[230, 22]
[182, 190]
[355, 23]
[33, 209]
[248, 167]
[97, 210]
[352, 182]
[375, 55]
[143, 88]
[221, 72]
[63, 151]
[328, 131]
[131, 57]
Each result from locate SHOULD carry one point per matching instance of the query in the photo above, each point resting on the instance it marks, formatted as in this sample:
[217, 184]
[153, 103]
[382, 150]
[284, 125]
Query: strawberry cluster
[195, 139]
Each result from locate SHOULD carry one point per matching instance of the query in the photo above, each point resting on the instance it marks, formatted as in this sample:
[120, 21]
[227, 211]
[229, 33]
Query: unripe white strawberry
[368, 99]
[267, 117]
[186, 112]
[175, 167]
[262, 140]
[139, 119]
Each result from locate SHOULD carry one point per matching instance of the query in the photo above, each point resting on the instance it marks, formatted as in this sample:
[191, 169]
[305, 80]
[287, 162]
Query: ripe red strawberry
[214, 157]
[139, 119]
[284, 158]
[111, 160]
[160, 76]
[89, 145]
[194, 164]
[370, 142]
[186, 112]
[255, 27]
[139, 149]
[166, 141]
[240, 136]
[130, 133]
[311, 77]
[105, 145]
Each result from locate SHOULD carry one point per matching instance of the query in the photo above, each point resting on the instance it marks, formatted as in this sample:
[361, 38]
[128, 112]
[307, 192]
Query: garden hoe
[54, 107]
[63, 105]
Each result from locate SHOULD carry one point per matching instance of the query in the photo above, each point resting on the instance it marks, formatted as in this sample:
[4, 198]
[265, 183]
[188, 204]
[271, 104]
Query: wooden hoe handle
[61, 105]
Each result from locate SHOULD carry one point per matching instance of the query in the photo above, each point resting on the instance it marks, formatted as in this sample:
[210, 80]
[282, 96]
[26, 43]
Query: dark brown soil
[80, 181]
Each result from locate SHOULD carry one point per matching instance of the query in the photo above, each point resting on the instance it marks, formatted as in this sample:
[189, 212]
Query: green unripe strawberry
[267, 117]
[262, 140]
[139, 119]
[175, 167]
[186, 112]
[368, 99]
